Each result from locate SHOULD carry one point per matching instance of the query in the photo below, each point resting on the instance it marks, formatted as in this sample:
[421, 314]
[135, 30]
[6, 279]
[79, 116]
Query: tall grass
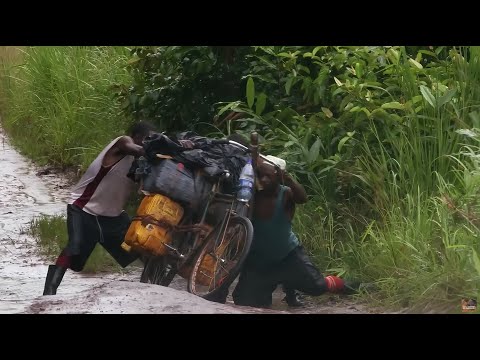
[420, 252]
[418, 255]
[10, 56]
[421, 178]
[60, 106]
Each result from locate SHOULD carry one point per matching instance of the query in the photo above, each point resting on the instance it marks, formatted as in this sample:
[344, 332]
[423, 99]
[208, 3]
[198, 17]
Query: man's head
[267, 176]
[140, 130]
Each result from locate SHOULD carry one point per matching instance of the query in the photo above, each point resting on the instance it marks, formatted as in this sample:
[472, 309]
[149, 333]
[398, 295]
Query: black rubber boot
[292, 298]
[53, 280]
[351, 287]
[51, 270]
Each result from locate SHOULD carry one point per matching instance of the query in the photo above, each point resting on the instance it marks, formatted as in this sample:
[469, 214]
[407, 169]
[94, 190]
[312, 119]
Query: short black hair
[239, 139]
[141, 128]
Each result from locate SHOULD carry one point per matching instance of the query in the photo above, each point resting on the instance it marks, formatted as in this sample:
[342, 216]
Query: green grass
[420, 257]
[50, 232]
[61, 107]
[10, 56]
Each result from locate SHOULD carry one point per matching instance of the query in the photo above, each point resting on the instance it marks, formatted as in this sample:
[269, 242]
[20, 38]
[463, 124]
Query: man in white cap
[292, 298]
[276, 256]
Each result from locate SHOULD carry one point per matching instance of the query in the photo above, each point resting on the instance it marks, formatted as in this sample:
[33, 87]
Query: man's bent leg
[300, 273]
[255, 288]
[82, 238]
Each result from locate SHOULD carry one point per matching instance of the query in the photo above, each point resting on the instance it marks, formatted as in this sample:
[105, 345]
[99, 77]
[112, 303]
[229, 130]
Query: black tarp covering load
[209, 155]
[213, 158]
[173, 179]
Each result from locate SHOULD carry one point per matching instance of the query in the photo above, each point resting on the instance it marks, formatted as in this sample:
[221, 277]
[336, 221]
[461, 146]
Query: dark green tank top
[273, 239]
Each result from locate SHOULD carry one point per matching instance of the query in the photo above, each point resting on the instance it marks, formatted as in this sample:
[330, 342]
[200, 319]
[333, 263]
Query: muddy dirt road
[24, 194]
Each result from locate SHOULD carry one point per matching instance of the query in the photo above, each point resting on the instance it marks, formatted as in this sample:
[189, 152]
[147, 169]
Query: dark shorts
[256, 285]
[85, 231]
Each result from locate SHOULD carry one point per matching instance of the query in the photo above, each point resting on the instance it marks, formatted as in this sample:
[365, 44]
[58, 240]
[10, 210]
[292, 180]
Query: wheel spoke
[220, 259]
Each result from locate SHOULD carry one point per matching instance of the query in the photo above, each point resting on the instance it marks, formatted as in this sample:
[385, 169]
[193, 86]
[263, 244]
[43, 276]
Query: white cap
[282, 164]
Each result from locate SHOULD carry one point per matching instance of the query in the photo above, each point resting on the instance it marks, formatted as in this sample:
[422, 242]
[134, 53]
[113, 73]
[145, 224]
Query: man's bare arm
[299, 195]
[126, 146]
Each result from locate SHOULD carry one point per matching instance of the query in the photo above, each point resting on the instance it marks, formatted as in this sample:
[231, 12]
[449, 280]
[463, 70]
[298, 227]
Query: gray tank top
[104, 190]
